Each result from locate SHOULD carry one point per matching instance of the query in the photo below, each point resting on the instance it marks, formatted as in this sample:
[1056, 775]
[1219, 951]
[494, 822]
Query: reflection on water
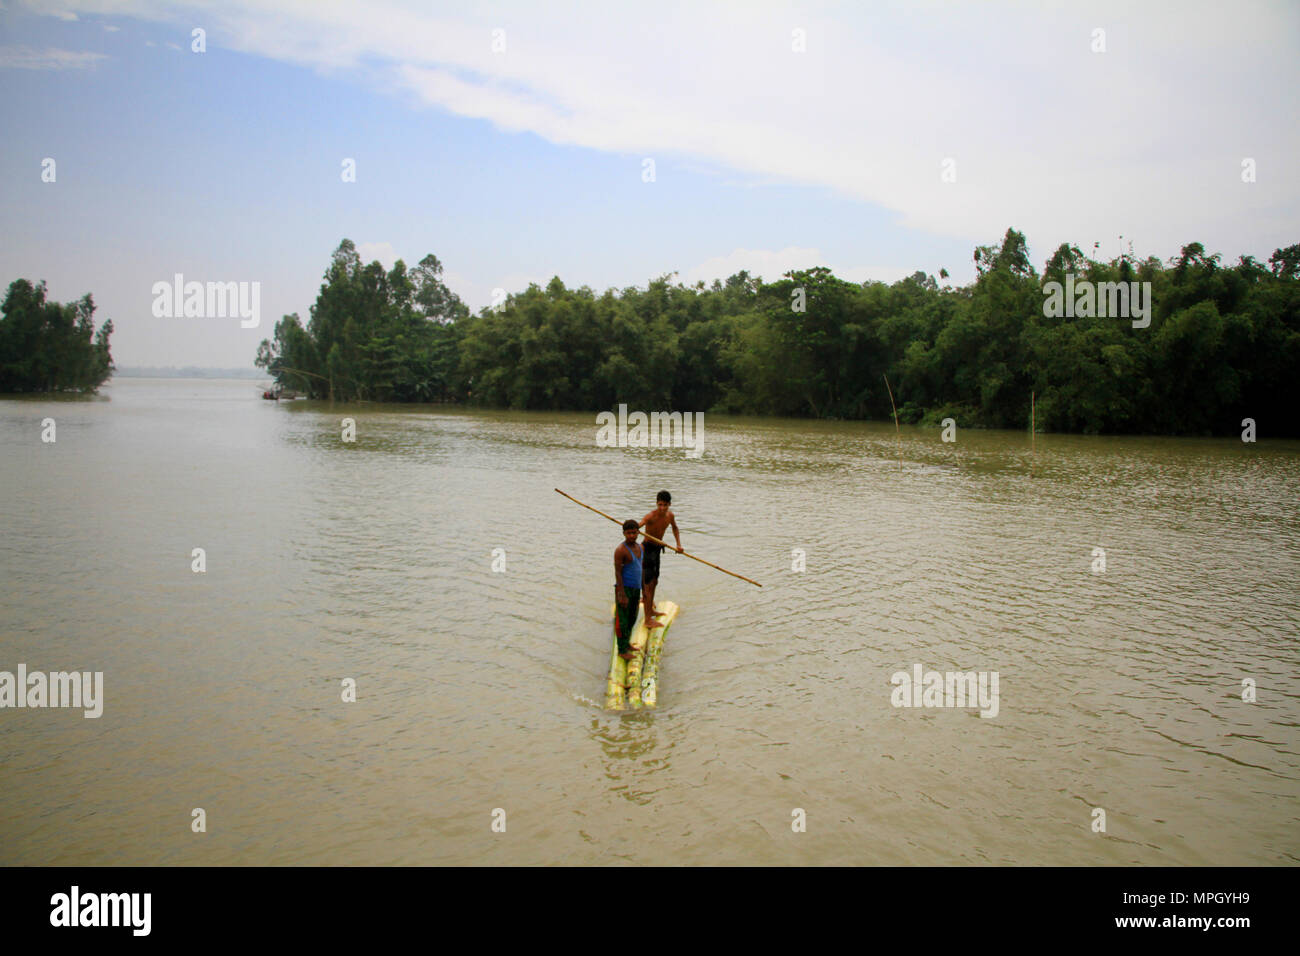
[476, 690]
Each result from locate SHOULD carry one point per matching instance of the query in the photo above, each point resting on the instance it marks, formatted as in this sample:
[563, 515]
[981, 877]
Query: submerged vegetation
[1220, 343]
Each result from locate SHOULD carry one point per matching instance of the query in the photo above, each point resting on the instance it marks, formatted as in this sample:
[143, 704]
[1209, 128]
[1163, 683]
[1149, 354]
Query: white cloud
[1144, 139]
[26, 58]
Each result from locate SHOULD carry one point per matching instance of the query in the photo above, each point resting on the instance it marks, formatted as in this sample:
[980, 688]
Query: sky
[610, 143]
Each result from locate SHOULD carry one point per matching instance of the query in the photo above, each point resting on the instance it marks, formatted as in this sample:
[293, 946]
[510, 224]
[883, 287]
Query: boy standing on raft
[627, 587]
[656, 523]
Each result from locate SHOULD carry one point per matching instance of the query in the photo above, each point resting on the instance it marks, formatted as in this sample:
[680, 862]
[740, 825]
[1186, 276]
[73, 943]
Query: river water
[479, 691]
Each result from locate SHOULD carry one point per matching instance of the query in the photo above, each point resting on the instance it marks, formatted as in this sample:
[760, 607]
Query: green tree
[49, 346]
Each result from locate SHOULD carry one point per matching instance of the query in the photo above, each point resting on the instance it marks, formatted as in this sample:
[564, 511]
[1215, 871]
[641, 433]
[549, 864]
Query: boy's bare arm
[620, 559]
[672, 520]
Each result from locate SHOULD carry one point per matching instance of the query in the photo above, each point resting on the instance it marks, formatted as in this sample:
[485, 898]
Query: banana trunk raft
[635, 684]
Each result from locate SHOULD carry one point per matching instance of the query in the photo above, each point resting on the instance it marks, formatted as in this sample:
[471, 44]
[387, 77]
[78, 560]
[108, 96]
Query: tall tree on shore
[373, 335]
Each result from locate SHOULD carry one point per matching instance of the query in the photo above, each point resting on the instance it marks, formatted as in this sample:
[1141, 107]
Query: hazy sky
[510, 140]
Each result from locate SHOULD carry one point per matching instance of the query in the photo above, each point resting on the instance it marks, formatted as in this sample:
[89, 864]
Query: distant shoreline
[189, 371]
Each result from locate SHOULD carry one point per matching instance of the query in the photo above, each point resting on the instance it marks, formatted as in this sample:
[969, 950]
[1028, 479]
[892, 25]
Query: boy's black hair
[664, 496]
[630, 524]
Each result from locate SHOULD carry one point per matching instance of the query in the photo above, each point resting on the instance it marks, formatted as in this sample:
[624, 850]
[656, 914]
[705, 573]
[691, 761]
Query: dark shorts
[625, 618]
[650, 566]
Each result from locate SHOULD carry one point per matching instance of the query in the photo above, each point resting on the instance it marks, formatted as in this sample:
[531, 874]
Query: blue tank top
[632, 570]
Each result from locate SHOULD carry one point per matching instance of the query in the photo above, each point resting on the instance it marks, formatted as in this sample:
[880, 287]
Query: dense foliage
[51, 347]
[1223, 344]
[373, 335]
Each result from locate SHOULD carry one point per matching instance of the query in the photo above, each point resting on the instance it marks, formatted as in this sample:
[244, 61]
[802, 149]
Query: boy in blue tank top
[627, 587]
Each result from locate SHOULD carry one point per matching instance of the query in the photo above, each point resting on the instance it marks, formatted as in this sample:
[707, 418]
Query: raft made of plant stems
[634, 684]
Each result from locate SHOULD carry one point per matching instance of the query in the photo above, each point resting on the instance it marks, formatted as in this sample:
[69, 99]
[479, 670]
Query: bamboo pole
[897, 430]
[650, 537]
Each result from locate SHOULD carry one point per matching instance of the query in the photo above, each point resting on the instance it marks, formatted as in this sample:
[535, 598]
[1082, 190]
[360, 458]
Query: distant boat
[279, 394]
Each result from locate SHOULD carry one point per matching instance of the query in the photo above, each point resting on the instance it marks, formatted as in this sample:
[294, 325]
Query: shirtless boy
[656, 523]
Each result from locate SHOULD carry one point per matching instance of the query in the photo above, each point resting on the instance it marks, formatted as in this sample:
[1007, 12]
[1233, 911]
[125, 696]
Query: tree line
[1222, 344]
[51, 346]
